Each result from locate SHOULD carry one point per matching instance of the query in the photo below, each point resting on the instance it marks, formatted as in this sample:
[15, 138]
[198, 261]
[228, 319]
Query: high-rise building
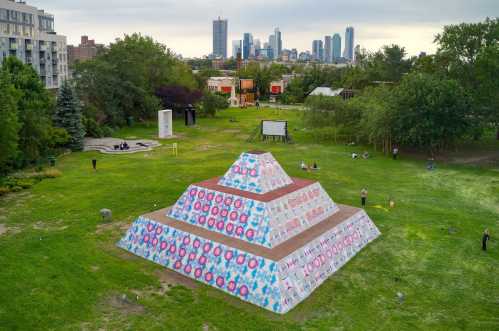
[349, 42]
[27, 33]
[237, 48]
[278, 43]
[258, 46]
[247, 45]
[328, 49]
[317, 50]
[220, 28]
[336, 46]
[87, 50]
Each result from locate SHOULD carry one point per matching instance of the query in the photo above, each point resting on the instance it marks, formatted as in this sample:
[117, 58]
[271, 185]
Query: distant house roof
[327, 91]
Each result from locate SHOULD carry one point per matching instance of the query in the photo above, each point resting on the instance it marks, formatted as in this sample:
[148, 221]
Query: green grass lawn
[60, 268]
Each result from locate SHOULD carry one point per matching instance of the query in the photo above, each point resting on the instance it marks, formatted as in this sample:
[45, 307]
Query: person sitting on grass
[303, 166]
[315, 166]
[363, 197]
[366, 155]
[355, 156]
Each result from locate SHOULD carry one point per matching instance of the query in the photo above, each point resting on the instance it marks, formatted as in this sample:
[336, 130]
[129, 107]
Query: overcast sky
[185, 26]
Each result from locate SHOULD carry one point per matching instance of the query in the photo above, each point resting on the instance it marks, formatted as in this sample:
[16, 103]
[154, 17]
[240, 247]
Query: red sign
[226, 89]
[276, 89]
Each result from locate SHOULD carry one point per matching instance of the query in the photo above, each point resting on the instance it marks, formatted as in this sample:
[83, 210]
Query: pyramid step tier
[256, 172]
[267, 220]
[276, 279]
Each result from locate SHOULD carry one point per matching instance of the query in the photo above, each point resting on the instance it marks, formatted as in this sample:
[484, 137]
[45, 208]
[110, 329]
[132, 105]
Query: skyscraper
[278, 43]
[349, 42]
[328, 49]
[220, 37]
[317, 50]
[247, 45]
[336, 46]
[237, 48]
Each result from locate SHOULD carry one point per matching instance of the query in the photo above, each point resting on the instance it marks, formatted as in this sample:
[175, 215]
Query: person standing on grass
[395, 153]
[363, 197]
[485, 239]
[94, 164]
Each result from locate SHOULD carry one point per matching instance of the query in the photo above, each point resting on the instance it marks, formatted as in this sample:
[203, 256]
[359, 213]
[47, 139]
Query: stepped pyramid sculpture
[255, 233]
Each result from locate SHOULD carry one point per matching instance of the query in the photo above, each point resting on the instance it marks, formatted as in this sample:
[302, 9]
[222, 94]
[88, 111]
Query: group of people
[365, 155]
[306, 167]
[124, 146]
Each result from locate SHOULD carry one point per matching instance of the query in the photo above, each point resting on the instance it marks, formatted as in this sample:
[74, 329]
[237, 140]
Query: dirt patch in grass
[231, 131]
[124, 305]
[3, 229]
[170, 278]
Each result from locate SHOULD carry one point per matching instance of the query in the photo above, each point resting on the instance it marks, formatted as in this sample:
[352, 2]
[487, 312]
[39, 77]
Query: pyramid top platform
[256, 172]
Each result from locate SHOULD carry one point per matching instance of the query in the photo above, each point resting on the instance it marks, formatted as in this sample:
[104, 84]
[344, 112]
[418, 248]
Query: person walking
[485, 239]
[94, 164]
[363, 197]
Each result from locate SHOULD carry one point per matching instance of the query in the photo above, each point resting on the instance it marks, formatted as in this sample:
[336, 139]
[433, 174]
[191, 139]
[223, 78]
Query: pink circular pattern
[243, 290]
[182, 252]
[188, 269]
[233, 215]
[240, 259]
[214, 211]
[229, 255]
[238, 204]
[236, 169]
[211, 222]
[150, 227]
[219, 198]
[217, 251]
[253, 263]
[202, 220]
[244, 171]
[196, 243]
[201, 194]
[229, 228]
[224, 213]
[186, 240]
[197, 205]
[207, 247]
[159, 230]
[202, 260]
[155, 242]
[208, 276]
[250, 234]
[220, 281]
[173, 249]
[220, 225]
[177, 265]
[210, 196]
[192, 256]
[240, 231]
[163, 245]
[198, 273]
[253, 173]
[193, 192]
[243, 218]
[146, 238]
[206, 208]
[231, 286]
[228, 201]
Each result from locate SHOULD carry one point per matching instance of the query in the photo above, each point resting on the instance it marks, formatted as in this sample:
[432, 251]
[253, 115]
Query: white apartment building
[27, 33]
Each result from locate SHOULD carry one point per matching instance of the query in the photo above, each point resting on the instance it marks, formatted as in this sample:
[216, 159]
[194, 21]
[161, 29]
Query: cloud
[185, 26]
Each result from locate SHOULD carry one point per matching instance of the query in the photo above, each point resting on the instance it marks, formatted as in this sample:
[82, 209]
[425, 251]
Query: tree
[35, 106]
[9, 124]
[487, 71]
[122, 81]
[430, 113]
[69, 117]
[212, 102]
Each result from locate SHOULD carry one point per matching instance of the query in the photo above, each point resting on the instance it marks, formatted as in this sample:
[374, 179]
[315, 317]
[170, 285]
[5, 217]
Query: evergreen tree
[9, 124]
[69, 117]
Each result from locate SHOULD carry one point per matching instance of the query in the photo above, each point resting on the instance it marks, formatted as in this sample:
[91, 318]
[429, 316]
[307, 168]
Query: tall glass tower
[247, 44]
[220, 37]
[336, 46]
[349, 42]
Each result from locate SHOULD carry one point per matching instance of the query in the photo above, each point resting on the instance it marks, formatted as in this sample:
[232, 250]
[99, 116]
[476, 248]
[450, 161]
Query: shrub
[52, 173]
[4, 190]
[26, 183]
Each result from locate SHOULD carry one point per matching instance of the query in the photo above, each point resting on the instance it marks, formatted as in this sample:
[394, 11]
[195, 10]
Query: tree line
[426, 102]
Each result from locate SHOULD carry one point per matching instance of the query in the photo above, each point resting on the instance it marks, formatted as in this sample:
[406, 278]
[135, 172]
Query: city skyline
[412, 25]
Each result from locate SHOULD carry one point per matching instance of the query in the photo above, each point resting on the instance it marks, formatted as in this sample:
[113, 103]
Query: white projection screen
[275, 128]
